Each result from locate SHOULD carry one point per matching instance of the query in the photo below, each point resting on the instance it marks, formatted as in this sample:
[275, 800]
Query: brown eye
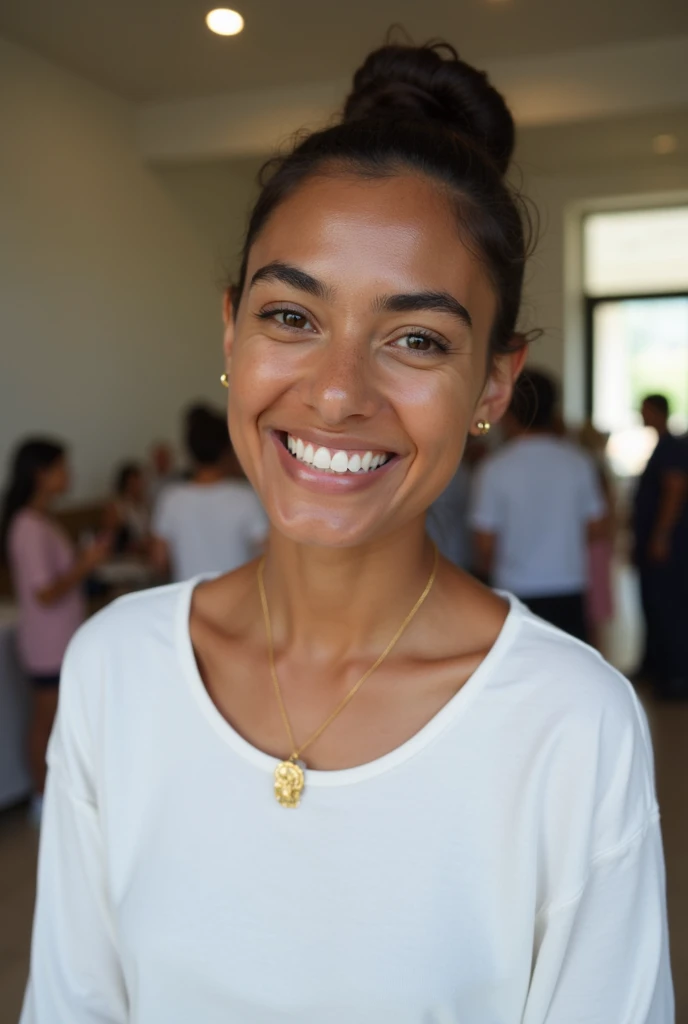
[290, 318]
[418, 343]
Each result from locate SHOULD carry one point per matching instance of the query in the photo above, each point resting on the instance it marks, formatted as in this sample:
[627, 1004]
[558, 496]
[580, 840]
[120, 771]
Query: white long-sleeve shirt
[504, 866]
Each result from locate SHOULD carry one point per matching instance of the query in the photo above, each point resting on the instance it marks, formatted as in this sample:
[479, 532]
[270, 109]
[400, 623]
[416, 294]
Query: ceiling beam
[552, 89]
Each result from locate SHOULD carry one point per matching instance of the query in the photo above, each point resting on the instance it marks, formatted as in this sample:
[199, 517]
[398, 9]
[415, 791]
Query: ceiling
[148, 50]
[612, 143]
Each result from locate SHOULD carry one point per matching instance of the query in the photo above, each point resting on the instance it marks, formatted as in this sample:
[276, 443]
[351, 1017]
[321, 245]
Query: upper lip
[335, 442]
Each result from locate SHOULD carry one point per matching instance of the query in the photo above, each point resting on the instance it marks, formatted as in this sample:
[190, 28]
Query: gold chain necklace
[290, 777]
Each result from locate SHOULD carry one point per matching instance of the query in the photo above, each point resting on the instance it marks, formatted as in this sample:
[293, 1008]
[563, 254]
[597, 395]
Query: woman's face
[55, 479]
[360, 340]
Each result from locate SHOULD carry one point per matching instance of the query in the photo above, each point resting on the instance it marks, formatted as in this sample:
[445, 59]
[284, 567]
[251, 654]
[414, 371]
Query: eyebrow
[287, 274]
[431, 302]
[411, 302]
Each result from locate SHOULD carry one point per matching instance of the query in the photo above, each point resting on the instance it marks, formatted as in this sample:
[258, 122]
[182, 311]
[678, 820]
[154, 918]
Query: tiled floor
[18, 841]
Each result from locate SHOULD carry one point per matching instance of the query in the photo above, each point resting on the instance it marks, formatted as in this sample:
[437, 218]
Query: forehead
[388, 234]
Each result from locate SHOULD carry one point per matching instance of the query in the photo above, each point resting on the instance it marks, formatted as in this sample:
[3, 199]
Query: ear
[496, 395]
[228, 319]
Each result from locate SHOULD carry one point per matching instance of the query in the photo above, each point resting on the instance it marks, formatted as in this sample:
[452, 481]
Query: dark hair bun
[432, 83]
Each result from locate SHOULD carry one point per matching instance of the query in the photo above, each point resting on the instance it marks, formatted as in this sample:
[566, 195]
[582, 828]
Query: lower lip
[324, 482]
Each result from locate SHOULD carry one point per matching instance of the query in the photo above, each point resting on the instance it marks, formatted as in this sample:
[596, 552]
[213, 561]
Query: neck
[209, 474]
[40, 503]
[538, 432]
[331, 600]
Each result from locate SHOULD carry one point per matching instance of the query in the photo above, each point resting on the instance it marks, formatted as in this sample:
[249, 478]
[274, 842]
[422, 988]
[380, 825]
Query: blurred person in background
[599, 596]
[160, 471]
[660, 524]
[447, 521]
[237, 828]
[536, 504]
[47, 576]
[209, 523]
[127, 516]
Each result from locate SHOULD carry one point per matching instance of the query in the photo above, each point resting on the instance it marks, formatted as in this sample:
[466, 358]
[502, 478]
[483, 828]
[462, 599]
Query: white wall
[217, 197]
[109, 291]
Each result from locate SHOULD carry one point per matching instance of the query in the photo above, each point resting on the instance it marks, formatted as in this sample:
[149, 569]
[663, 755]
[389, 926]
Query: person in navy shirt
[661, 553]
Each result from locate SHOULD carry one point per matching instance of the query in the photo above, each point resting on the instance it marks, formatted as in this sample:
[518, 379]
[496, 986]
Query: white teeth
[322, 459]
[337, 461]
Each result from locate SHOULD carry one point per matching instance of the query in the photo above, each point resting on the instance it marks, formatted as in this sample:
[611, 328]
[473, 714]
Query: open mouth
[334, 460]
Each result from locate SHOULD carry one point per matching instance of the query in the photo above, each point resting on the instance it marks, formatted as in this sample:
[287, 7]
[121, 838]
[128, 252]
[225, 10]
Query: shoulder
[133, 626]
[173, 492]
[590, 716]
[26, 521]
[577, 678]
[501, 457]
[494, 465]
[674, 452]
[171, 497]
[28, 529]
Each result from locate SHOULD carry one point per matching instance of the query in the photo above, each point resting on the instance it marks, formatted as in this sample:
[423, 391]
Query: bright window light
[636, 251]
[224, 21]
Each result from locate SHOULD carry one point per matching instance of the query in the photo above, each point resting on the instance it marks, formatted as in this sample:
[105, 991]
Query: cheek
[261, 372]
[436, 411]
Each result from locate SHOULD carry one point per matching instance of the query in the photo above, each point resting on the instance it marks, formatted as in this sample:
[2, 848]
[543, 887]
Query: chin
[315, 526]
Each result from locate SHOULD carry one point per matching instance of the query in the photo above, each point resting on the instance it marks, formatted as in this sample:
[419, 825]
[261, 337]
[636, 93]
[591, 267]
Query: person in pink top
[47, 575]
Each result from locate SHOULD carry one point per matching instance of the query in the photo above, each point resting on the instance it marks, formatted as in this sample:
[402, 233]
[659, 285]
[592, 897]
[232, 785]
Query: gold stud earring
[483, 427]
[224, 380]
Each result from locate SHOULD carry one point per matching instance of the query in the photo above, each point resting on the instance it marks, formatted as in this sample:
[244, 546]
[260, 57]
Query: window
[636, 283]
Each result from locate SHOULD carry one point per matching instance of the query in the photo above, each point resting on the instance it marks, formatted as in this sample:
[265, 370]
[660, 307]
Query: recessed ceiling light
[224, 22]
[663, 144]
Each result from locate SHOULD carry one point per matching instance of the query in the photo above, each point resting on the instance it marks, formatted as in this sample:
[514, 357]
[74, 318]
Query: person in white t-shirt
[536, 502]
[210, 523]
[347, 783]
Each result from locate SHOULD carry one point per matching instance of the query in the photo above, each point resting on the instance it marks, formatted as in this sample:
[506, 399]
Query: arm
[603, 956]
[75, 973]
[671, 503]
[83, 567]
[598, 529]
[596, 505]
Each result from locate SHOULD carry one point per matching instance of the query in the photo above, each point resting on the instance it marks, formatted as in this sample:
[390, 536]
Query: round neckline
[455, 706]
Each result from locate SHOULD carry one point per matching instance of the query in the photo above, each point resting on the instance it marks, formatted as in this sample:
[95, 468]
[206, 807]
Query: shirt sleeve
[75, 972]
[594, 504]
[604, 956]
[484, 510]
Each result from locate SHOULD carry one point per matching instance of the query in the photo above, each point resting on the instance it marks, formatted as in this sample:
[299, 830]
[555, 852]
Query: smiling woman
[349, 783]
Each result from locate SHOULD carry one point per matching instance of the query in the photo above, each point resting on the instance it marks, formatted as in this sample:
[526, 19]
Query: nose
[341, 383]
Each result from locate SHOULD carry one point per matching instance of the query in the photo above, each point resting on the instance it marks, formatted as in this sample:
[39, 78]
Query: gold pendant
[290, 779]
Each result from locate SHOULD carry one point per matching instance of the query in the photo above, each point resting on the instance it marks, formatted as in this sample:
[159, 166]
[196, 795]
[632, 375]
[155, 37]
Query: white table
[15, 782]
